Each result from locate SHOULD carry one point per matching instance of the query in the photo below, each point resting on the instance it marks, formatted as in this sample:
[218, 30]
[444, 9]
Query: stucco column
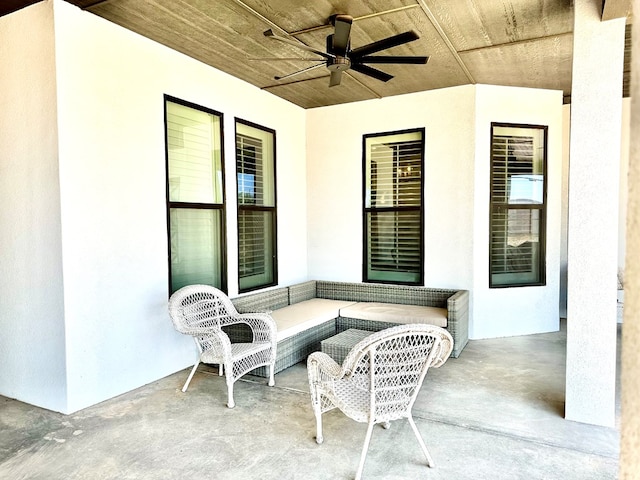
[596, 117]
[630, 441]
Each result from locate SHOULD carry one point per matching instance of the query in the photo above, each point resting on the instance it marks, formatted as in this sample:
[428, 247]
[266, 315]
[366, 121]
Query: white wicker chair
[379, 379]
[201, 311]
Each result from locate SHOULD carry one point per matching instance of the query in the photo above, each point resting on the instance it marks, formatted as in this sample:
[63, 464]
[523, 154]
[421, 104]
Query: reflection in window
[195, 195]
[518, 169]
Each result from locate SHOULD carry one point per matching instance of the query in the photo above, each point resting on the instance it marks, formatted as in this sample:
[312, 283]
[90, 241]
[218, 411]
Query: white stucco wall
[519, 310]
[32, 344]
[594, 179]
[457, 122]
[623, 194]
[102, 241]
[112, 166]
[334, 176]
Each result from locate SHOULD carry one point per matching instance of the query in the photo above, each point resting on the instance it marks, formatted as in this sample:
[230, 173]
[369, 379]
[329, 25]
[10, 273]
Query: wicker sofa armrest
[458, 320]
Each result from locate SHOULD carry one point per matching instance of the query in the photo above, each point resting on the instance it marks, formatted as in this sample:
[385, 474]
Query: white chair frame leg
[272, 381]
[365, 449]
[318, 414]
[229, 376]
[421, 442]
[193, 370]
[231, 403]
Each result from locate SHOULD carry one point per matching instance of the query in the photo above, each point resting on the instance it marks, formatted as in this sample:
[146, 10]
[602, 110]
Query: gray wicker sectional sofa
[309, 312]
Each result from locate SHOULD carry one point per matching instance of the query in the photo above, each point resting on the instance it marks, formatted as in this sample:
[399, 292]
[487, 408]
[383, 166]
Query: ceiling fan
[340, 57]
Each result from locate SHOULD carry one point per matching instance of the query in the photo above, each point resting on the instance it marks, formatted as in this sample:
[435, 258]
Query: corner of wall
[32, 302]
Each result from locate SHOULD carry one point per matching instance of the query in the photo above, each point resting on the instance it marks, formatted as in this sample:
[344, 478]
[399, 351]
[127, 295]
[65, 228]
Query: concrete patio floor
[494, 413]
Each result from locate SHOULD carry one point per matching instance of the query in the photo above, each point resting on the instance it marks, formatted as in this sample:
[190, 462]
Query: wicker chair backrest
[200, 306]
[391, 365]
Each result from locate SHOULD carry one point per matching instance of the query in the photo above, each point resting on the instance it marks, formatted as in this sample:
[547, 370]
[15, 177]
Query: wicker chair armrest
[321, 368]
[197, 331]
[261, 324]
[216, 340]
[445, 347]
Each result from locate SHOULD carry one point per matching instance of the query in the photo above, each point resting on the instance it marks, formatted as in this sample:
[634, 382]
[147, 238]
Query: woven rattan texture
[374, 292]
[379, 379]
[297, 348]
[302, 291]
[401, 357]
[456, 302]
[460, 334]
[204, 312]
[346, 323]
[338, 346]
[458, 320]
[266, 301]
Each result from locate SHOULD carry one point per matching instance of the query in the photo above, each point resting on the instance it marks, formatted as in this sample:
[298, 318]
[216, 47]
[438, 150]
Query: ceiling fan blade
[269, 33]
[294, 82]
[392, 59]
[308, 69]
[288, 59]
[372, 72]
[340, 41]
[383, 44]
[335, 79]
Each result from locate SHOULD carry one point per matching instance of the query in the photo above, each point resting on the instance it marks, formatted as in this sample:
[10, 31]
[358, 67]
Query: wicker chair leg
[420, 441]
[271, 368]
[319, 437]
[318, 414]
[365, 449]
[193, 370]
[230, 403]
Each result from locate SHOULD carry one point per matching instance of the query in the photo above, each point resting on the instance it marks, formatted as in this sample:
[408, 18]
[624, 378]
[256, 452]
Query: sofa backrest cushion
[396, 313]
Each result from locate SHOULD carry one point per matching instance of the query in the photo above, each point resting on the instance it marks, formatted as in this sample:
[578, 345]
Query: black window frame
[248, 207]
[497, 207]
[219, 207]
[367, 211]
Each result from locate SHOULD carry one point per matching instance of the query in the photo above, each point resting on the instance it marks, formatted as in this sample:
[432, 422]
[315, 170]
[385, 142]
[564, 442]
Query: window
[195, 195]
[393, 213]
[518, 205]
[255, 175]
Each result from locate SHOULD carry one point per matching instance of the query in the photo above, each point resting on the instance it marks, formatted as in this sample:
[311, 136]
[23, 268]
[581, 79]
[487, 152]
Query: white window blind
[193, 142]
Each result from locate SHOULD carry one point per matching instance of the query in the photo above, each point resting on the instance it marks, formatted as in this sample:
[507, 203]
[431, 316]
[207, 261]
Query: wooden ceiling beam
[616, 9]
[446, 40]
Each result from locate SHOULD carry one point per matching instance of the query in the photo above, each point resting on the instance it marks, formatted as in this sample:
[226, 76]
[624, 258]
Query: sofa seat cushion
[396, 313]
[305, 315]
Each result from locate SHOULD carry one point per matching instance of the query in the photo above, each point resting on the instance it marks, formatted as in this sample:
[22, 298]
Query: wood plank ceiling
[507, 42]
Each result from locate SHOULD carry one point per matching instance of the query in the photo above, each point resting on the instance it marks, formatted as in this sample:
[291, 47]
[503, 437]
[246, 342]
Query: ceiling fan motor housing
[338, 64]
